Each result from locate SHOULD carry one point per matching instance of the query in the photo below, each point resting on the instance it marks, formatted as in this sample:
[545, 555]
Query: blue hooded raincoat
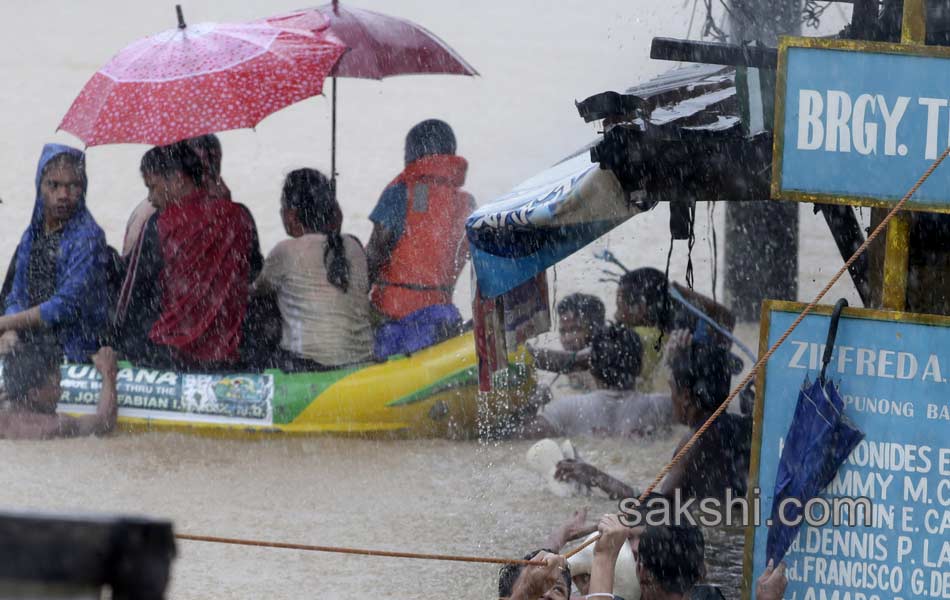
[78, 310]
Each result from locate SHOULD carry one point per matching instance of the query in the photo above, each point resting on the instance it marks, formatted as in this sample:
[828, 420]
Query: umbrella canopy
[200, 79]
[379, 45]
[818, 441]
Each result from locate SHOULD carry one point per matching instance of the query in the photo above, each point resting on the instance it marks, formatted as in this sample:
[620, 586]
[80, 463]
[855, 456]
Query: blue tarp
[543, 221]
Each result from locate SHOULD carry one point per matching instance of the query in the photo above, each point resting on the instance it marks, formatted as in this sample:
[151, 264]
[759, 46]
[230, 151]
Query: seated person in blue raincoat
[61, 262]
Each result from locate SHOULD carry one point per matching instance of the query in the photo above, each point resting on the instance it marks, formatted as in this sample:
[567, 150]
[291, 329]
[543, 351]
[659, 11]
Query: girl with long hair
[320, 278]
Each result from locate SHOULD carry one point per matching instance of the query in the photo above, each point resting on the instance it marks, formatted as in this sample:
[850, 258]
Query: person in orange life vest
[418, 245]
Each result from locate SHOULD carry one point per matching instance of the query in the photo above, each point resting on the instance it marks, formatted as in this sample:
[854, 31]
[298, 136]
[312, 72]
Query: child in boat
[701, 377]
[418, 246]
[616, 408]
[321, 280]
[579, 317]
[59, 279]
[190, 286]
[31, 390]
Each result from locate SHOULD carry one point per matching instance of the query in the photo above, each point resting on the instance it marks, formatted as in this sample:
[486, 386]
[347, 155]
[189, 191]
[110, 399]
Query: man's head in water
[643, 299]
[670, 560]
[579, 316]
[31, 377]
[508, 575]
[61, 187]
[616, 356]
[701, 375]
[171, 173]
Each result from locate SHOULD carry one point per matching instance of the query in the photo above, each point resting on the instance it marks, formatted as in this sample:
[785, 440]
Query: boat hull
[433, 393]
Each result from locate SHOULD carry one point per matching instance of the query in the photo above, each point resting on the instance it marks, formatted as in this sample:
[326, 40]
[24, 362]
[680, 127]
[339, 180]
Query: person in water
[644, 299]
[528, 582]
[321, 280]
[59, 282]
[31, 391]
[616, 408]
[579, 317]
[720, 460]
[645, 304]
[670, 562]
[191, 284]
[418, 246]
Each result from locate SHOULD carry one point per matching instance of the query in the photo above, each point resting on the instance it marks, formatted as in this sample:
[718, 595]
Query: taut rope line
[763, 359]
[361, 552]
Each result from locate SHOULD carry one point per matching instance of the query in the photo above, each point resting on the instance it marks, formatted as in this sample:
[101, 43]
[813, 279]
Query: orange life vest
[422, 269]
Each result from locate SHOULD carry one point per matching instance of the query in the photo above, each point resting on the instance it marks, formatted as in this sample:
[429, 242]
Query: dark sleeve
[256, 258]
[8, 279]
[145, 303]
[16, 299]
[390, 211]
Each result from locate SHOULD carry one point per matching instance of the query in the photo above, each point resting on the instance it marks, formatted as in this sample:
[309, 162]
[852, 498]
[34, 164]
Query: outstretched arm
[613, 535]
[560, 361]
[576, 527]
[29, 425]
[108, 408]
[27, 319]
[589, 475]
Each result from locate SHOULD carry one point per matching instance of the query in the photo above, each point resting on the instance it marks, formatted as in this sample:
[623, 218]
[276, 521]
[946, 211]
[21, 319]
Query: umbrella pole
[333, 138]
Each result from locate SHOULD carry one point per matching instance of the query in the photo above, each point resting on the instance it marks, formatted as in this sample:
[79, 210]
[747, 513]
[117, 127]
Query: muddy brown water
[465, 498]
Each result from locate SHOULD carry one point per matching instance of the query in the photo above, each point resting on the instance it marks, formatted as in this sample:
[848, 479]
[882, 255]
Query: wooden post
[897, 250]
[761, 238]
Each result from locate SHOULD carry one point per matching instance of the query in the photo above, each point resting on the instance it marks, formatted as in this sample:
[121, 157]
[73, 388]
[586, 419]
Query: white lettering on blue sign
[834, 123]
[890, 376]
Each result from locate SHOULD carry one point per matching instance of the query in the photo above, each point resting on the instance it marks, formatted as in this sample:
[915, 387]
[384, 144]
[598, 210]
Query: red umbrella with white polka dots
[199, 79]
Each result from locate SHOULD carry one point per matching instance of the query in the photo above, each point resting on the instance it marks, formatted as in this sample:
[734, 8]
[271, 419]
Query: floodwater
[535, 59]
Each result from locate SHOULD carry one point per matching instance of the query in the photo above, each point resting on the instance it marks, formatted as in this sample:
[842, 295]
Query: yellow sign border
[778, 141]
[768, 307]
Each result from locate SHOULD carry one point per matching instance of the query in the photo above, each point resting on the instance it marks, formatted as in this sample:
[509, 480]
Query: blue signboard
[859, 123]
[894, 377]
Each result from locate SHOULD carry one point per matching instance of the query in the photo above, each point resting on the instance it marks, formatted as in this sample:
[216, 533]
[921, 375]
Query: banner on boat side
[858, 123]
[237, 399]
[893, 373]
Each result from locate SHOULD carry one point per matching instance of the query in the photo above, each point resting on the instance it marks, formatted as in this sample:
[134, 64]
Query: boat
[430, 394]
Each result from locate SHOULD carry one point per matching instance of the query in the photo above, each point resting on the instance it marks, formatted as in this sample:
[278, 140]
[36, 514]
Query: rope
[764, 358]
[361, 552]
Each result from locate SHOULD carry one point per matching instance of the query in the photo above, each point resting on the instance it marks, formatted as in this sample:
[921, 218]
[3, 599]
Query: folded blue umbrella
[818, 441]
